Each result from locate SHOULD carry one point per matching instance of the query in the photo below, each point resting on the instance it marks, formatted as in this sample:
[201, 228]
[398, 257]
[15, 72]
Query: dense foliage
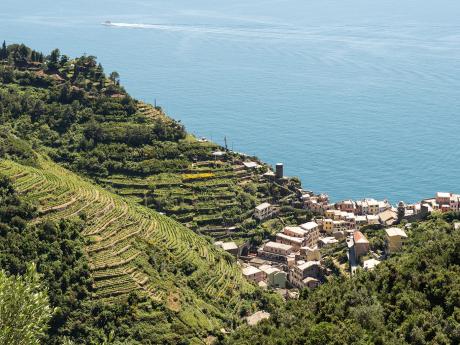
[56, 249]
[413, 298]
[85, 119]
[24, 309]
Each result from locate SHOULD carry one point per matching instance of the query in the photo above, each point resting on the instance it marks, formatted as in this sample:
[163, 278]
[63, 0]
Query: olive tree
[24, 308]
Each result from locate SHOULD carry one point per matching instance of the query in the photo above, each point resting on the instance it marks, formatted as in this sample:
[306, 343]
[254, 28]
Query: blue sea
[358, 98]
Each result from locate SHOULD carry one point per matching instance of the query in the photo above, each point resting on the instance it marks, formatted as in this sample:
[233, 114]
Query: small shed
[255, 318]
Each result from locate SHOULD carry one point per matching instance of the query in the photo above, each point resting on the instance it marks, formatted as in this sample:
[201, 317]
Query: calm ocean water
[358, 98]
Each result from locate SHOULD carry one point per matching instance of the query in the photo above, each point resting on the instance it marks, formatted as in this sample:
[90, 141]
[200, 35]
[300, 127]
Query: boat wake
[244, 30]
[370, 38]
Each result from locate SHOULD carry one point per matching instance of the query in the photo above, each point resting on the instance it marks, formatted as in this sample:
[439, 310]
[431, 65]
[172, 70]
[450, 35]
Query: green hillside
[85, 120]
[134, 249]
[90, 167]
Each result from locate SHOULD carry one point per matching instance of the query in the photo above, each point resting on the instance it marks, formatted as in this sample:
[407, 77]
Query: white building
[312, 233]
[303, 270]
[230, 247]
[278, 248]
[255, 318]
[326, 241]
[251, 165]
[370, 264]
[373, 219]
[253, 274]
[264, 211]
[295, 242]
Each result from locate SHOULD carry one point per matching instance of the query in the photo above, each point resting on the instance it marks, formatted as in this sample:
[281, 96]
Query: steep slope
[132, 248]
[88, 123]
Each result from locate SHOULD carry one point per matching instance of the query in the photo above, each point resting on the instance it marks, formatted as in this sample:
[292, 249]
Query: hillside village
[299, 256]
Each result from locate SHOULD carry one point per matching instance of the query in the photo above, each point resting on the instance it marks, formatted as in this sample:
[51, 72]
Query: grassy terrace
[197, 196]
[131, 247]
[204, 193]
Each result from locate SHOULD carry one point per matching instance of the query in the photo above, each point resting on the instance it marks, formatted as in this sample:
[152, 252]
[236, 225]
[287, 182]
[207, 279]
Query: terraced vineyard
[152, 112]
[129, 246]
[197, 197]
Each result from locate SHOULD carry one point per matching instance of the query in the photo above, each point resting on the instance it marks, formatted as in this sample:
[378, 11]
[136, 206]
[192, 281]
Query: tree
[99, 68]
[114, 77]
[93, 130]
[20, 54]
[24, 309]
[64, 60]
[36, 56]
[53, 59]
[3, 51]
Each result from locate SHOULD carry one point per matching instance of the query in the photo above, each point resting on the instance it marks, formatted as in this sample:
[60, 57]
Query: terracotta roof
[358, 237]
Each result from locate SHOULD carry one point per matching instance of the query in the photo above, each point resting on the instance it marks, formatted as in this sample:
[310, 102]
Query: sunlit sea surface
[357, 98]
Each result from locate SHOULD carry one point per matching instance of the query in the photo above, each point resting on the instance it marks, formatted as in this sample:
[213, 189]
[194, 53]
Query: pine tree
[114, 77]
[53, 59]
[3, 51]
[64, 60]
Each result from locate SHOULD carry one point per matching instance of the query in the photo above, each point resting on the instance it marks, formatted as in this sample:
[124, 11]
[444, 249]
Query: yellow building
[328, 225]
[395, 239]
[329, 214]
[373, 207]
